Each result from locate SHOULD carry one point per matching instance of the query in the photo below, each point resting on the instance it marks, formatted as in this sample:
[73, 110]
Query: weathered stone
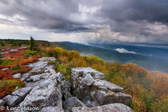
[88, 80]
[14, 50]
[22, 92]
[38, 77]
[50, 69]
[116, 107]
[107, 85]
[2, 102]
[51, 109]
[65, 87]
[18, 75]
[72, 102]
[45, 94]
[5, 68]
[57, 76]
[82, 72]
[117, 98]
[102, 97]
[38, 67]
[91, 103]
[25, 76]
[47, 58]
[12, 100]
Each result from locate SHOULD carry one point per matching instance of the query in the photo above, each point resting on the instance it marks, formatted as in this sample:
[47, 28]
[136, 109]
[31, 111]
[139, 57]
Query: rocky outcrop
[116, 107]
[48, 91]
[90, 88]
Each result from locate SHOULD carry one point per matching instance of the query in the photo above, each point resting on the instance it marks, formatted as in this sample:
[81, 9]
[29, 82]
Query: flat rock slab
[12, 100]
[38, 77]
[116, 107]
[46, 93]
[105, 84]
[102, 97]
[39, 67]
[22, 92]
[51, 109]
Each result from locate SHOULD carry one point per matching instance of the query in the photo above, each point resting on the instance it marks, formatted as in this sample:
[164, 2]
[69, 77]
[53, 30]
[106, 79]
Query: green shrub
[65, 69]
[94, 60]
[30, 53]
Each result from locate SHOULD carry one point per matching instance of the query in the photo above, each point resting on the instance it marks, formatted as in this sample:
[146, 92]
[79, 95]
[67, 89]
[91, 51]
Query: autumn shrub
[30, 53]
[6, 74]
[22, 69]
[93, 60]
[8, 86]
[160, 105]
[6, 62]
[138, 105]
[65, 69]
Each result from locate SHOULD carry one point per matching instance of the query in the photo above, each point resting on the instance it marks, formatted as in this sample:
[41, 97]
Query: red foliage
[8, 86]
[6, 74]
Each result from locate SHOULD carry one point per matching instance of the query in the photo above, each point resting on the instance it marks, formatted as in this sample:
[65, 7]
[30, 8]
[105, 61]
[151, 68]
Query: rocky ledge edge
[48, 91]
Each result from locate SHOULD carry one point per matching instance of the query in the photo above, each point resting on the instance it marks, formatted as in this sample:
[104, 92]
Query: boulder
[45, 94]
[12, 100]
[57, 76]
[38, 67]
[102, 97]
[18, 75]
[72, 102]
[88, 80]
[25, 76]
[116, 107]
[51, 109]
[22, 92]
[82, 72]
[2, 102]
[103, 84]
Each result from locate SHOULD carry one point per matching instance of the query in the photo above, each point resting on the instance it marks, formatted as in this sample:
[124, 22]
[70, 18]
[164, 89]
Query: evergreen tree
[33, 44]
[2, 44]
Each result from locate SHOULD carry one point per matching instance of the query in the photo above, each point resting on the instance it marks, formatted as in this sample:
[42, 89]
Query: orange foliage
[6, 74]
[8, 86]
[7, 82]
[160, 87]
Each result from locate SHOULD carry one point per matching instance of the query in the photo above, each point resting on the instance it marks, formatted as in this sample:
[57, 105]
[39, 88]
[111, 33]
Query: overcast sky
[143, 21]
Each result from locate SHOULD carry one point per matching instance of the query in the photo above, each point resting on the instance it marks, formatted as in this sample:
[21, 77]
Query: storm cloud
[98, 20]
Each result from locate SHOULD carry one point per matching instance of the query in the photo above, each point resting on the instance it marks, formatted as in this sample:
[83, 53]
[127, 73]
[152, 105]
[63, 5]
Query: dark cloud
[128, 19]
